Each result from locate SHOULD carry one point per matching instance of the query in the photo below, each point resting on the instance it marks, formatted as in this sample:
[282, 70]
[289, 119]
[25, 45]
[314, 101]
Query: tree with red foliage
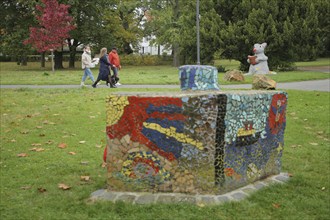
[54, 26]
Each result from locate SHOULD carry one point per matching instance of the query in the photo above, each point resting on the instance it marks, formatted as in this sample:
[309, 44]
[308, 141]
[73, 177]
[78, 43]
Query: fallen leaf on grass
[24, 132]
[42, 190]
[39, 127]
[62, 145]
[33, 115]
[290, 175]
[104, 164]
[26, 187]
[92, 116]
[42, 135]
[82, 142]
[98, 145]
[35, 144]
[49, 142]
[85, 178]
[314, 144]
[72, 153]
[84, 162]
[13, 140]
[37, 149]
[22, 155]
[276, 205]
[323, 188]
[63, 186]
[200, 204]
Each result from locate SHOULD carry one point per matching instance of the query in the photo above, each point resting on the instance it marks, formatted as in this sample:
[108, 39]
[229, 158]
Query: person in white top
[86, 64]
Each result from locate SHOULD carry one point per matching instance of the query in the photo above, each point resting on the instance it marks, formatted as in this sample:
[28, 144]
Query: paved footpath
[314, 85]
[200, 200]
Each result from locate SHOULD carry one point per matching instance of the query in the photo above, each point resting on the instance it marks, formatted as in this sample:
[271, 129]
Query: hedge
[132, 59]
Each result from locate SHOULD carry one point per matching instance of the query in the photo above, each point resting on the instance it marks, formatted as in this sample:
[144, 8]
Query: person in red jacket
[115, 61]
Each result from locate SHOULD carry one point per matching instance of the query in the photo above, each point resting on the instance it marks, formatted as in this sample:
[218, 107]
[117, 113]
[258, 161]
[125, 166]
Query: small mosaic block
[194, 142]
[198, 77]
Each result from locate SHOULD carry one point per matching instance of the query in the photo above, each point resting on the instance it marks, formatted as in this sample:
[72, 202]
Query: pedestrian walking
[115, 60]
[86, 64]
[104, 71]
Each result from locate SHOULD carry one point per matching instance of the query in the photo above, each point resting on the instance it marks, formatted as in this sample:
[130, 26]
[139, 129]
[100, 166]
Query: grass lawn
[10, 73]
[35, 122]
[317, 62]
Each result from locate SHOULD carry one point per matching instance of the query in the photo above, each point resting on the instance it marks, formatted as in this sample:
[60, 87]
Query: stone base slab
[200, 200]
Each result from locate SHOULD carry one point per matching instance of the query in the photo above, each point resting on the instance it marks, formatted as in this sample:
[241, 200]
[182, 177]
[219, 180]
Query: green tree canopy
[291, 29]
[294, 29]
[174, 25]
[15, 19]
[124, 20]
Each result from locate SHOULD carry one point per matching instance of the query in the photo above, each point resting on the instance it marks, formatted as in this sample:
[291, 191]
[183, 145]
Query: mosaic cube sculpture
[193, 142]
[198, 77]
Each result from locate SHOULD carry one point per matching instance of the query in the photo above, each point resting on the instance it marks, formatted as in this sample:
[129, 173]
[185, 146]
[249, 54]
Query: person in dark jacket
[104, 71]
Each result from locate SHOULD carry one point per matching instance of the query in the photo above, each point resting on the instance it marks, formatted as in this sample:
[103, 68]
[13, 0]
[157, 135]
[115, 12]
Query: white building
[149, 49]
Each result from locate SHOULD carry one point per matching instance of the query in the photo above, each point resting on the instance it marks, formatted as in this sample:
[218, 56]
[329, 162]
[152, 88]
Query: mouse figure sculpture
[258, 62]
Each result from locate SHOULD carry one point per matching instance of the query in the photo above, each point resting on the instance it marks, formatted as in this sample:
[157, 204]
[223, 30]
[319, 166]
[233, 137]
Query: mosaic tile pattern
[198, 77]
[198, 142]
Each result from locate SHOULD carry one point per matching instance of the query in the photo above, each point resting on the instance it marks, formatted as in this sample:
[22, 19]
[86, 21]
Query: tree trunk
[127, 48]
[42, 59]
[58, 60]
[125, 25]
[176, 52]
[72, 57]
[176, 55]
[23, 60]
[73, 50]
[158, 52]
[18, 60]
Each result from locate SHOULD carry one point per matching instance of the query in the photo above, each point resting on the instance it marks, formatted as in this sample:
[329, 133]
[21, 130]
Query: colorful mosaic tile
[197, 142]
[198, 77]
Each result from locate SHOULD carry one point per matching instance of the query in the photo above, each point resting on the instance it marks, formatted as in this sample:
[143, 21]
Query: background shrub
[144, 60]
